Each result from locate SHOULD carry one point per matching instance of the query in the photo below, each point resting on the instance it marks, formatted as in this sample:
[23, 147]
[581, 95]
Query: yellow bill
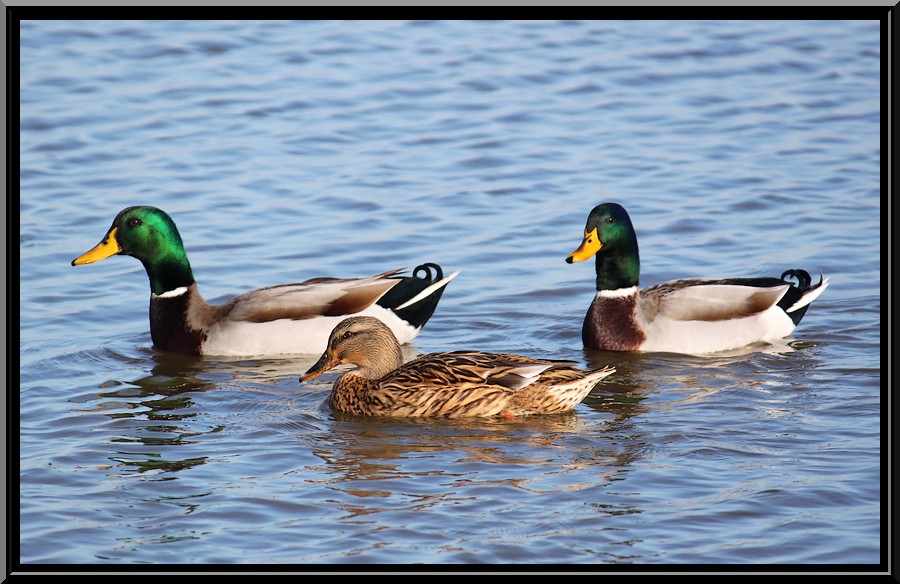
[589, 246]
[108, 247]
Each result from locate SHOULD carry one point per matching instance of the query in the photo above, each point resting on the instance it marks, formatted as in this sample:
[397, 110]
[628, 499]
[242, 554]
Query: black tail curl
[803, 278]
[796, 292]
[427, 267]
[416, 314]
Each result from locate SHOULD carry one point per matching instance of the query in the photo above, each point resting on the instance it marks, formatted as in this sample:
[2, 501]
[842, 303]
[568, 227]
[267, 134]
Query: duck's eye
[347, 334]
[610, 219]
[134, 222]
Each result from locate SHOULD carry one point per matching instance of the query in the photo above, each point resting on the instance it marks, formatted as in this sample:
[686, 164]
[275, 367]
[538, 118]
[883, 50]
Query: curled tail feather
[798, 298]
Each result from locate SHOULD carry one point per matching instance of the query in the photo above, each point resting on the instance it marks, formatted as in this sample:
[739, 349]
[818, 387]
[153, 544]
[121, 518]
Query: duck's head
[610, 236]
[150, 235]
[608, 229]
[363, 341]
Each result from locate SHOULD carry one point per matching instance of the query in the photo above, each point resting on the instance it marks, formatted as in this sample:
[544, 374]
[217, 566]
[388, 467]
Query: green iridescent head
[609, 235]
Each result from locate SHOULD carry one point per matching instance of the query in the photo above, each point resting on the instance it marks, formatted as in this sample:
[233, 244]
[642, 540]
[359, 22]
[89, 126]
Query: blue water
[286, 150]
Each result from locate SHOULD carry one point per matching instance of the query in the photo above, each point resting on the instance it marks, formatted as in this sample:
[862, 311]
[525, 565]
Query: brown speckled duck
[282, 319]
[450, 384]
[693, 315]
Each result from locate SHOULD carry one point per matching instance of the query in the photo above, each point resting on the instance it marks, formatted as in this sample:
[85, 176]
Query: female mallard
[681, 316]
[454, 384]
[288, 318]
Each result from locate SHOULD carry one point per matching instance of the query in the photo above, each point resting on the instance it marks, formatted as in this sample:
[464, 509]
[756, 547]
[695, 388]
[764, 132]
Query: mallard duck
[693, 315]
[287, 318]
[451, 384]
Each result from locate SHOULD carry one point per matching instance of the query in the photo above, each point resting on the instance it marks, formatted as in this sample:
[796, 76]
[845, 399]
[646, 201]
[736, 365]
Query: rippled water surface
[290, 150]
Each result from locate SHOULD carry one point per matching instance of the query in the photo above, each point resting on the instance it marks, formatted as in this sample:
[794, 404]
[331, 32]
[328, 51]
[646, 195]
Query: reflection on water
[436, 464]
[151, 464]
[556, 444]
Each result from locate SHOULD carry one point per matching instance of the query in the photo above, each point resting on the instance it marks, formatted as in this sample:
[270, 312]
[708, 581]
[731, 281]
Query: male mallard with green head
[694, 315]
[452, 384]
[286, 318]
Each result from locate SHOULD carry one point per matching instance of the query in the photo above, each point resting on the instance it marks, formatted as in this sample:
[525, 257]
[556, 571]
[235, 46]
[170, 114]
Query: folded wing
[317, 297]
[710, 300]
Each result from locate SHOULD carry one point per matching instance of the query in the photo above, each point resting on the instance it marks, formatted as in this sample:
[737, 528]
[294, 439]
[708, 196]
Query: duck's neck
[353, 392]
[618, 271]
[168, 273]
[380, 360]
